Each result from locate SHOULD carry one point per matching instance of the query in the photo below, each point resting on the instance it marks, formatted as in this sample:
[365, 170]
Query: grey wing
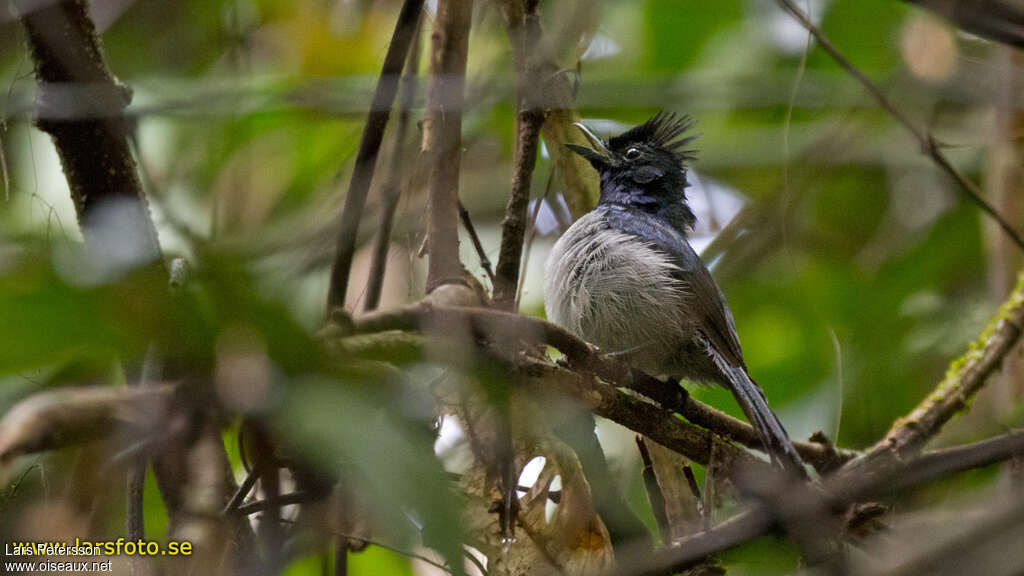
[705, 302]
[708, 303]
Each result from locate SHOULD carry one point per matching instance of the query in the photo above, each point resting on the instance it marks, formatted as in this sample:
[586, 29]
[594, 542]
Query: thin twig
[3, 162]
[927, 143]
[691, 481]
[506, 456]
[268, 504]
[391, 190]
[243, 490]
[138, 463]
[467, 223]
[530, 235]
[135, 514]
[654, 495]
[369, 147]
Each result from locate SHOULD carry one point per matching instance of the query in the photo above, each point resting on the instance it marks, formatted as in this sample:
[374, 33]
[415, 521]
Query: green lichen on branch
[395, 347]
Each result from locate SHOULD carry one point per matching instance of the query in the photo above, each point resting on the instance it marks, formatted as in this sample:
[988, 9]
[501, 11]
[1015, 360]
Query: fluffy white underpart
[616, 291]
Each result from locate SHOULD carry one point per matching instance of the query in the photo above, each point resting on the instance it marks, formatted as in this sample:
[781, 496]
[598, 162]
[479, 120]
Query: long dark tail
[755, 407]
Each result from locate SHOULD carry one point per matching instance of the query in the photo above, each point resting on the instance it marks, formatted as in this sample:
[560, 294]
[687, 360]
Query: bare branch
[928, 144]
[513, 230]
[67, 416]
[134, 514]
[369, 147]
[525, 36]
[442, 137]
[341, 557]
[553, 92]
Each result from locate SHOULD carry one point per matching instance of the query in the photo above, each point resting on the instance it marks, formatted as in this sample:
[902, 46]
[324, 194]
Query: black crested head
[663, 138]
[645, 167]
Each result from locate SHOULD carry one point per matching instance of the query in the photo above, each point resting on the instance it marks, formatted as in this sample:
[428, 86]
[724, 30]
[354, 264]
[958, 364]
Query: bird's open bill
[597, 152]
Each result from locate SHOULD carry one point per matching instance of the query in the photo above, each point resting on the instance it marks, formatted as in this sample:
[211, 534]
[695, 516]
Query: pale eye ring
[633, 153]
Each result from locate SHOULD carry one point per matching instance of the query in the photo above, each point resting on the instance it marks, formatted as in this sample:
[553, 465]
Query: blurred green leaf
[678, 31]
[334, 425]
[865, 31]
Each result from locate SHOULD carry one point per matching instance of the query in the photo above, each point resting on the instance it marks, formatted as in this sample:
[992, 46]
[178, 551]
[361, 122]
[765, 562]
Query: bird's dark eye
[633, 153]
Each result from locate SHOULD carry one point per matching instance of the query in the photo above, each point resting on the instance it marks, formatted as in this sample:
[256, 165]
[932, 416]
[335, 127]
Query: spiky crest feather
[663, 130]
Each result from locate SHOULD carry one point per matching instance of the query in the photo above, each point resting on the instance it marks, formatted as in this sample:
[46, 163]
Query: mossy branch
[964, 378]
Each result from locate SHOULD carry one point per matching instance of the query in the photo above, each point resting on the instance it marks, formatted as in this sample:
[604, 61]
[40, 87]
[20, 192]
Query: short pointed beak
[598, 153]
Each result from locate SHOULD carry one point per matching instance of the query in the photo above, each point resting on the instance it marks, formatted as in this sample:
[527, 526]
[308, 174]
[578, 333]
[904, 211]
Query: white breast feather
[614, 290]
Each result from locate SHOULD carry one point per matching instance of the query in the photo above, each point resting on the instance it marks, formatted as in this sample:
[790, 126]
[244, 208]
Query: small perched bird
[625, 278]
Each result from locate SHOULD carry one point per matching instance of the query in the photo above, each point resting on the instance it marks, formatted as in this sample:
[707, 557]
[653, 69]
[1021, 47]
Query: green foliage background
[862, 273]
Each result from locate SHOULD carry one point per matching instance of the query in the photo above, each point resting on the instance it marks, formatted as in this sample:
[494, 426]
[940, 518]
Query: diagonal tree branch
[654, 494]
[928, 144]
[800, 502]
[391, 190]
[93, 147]
[369, 147]
[467, 223]
[515, 330]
